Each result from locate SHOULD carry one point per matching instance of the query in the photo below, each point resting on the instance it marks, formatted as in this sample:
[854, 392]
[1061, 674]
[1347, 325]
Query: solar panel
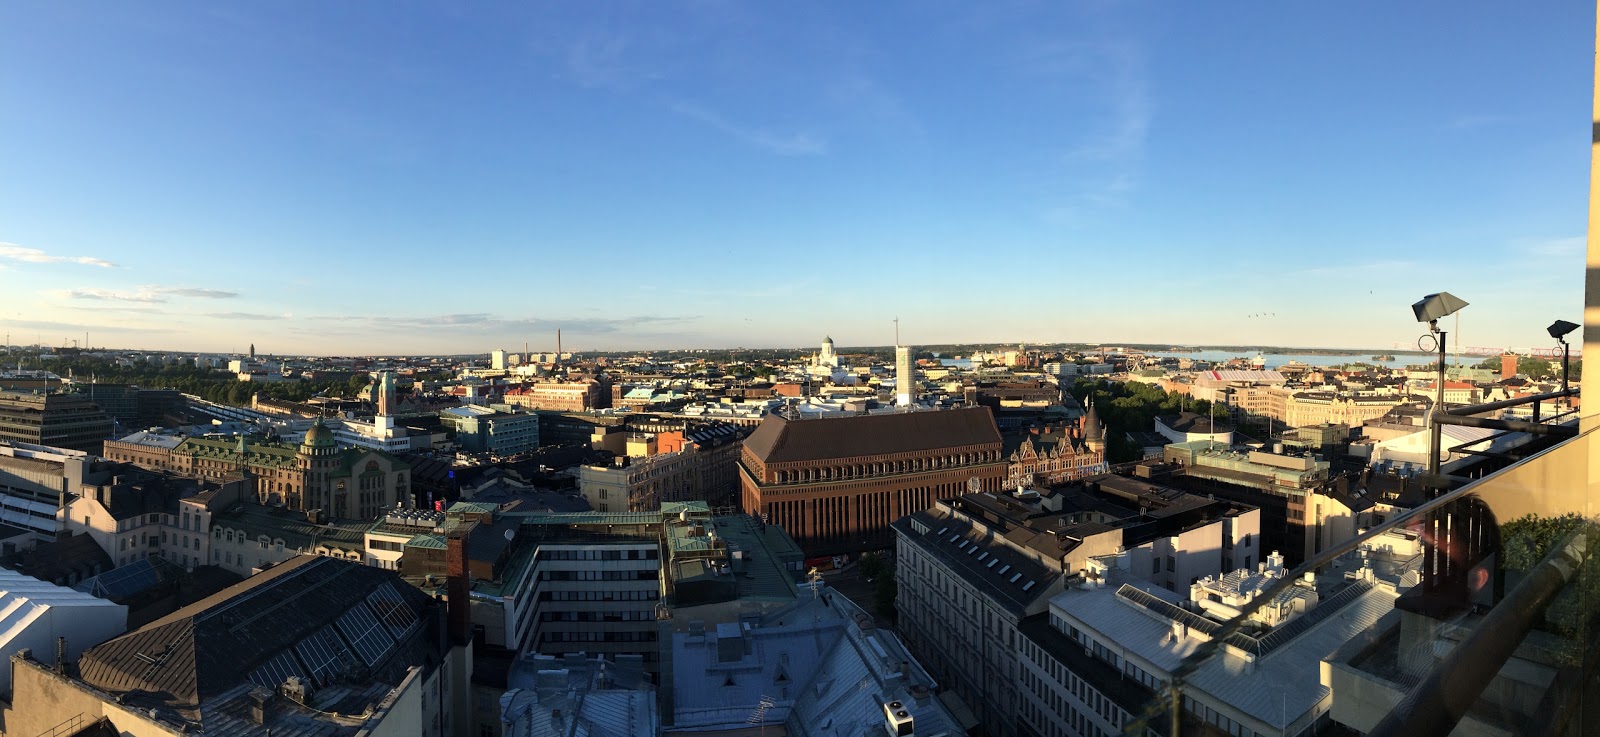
[366, 635]
[323, 654]
[1028, 585]
[1002, 571]
[392, 610]
[992, 561]
[274, 672]
[1283, 633]
[1168, 610]
[1016, 576]
[130, 579]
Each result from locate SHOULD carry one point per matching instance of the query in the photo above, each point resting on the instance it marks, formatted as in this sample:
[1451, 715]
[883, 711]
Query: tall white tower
[497, 360]
[905, 376]
[827, 357]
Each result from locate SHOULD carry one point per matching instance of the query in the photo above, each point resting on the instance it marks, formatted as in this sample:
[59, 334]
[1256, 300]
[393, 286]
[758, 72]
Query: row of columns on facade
[867, 470]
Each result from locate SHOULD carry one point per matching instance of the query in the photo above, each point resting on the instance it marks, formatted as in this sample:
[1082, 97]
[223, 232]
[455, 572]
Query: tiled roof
[780, 440]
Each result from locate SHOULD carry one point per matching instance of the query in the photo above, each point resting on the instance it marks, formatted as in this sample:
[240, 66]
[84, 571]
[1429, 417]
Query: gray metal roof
[1013, 579]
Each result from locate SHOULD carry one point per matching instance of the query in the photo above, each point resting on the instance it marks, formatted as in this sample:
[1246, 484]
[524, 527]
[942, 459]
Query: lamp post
[1430, 309]
[1559, 330]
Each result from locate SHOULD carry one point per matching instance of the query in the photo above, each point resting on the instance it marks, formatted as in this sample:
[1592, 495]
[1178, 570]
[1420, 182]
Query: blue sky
[384, 177]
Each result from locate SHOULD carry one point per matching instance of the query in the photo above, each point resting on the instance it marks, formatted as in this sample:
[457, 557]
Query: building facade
[1304, 409]
[317, 475]
[639, 484]
[974, 572]
[836, 483]
[69, 421]
[1046, 458]
[554, 396]
[485, 430]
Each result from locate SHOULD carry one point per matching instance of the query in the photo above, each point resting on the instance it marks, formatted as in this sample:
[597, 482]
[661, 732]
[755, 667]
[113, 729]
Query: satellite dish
[510, 534]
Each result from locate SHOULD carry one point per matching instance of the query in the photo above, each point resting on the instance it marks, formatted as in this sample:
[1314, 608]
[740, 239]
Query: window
[1172, 564]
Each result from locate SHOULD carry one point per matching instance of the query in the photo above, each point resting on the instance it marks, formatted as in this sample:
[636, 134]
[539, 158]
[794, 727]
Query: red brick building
[835, 484]
[577, 396]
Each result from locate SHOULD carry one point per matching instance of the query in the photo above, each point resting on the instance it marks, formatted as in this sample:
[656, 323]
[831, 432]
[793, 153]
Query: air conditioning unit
[897, 721]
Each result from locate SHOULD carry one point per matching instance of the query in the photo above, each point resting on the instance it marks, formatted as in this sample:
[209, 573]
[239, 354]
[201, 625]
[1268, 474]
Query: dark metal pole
[1436, 430]
[1566, 356]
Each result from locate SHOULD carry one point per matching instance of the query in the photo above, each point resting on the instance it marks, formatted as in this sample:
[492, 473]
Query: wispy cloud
[483, 322]
[126, 309]
[781, 143]
[1375, 269]
[196, 292]
[247, 316]
[76, 328]
[602, 60]
[108, 294]
[1555, 247]
[146, 294]
[1106, 143]
[22, 254]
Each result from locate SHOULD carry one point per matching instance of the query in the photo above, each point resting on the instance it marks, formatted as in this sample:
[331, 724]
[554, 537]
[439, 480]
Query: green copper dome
[319, 436]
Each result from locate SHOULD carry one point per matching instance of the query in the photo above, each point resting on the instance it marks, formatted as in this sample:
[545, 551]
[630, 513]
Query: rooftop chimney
[458, 583]
[260, 699]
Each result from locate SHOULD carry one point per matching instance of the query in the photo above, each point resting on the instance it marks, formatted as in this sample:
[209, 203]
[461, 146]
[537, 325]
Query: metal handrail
[1473, 409]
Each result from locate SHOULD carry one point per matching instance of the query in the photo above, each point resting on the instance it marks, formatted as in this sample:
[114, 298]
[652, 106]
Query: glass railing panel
[1365, 635]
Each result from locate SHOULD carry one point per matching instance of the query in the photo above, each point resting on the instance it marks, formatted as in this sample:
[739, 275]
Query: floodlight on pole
[1559, 330]
[1430, 309]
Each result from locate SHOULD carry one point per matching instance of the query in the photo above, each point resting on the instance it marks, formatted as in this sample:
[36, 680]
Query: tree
[1537, 368]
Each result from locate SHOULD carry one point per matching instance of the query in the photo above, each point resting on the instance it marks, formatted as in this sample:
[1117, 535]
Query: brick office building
[835, 484]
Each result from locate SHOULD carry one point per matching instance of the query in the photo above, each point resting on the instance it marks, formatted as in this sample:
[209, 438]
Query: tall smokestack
[458, 583]
[905, 376]
[558, 344]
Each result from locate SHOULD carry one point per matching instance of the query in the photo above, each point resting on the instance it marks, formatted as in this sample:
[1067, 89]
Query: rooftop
[782, 440]
[315, 618]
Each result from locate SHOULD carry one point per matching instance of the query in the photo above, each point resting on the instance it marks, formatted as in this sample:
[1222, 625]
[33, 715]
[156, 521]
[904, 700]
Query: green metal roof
[430, 542]
[474, 508]
[591, 518]
[673, 508]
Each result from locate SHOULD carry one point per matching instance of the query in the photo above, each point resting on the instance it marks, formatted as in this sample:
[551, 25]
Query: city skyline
[349, 181]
